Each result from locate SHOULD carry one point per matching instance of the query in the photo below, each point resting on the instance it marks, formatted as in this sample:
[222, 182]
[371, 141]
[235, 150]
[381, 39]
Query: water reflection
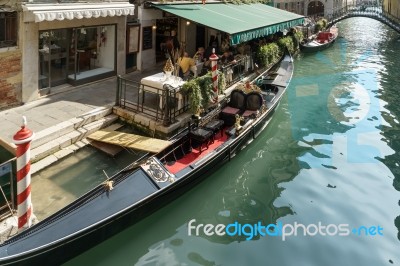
[390, 110]
[347, 141]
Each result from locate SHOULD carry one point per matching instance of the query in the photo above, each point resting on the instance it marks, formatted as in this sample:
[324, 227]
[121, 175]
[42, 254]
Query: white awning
[77, 11]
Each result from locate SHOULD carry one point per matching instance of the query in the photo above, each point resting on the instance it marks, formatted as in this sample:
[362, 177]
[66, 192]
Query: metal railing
[160, 104]
[166, 103]
[234, 72]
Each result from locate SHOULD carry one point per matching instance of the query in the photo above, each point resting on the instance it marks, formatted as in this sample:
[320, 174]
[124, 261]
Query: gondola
[320, 41]
[153, 181]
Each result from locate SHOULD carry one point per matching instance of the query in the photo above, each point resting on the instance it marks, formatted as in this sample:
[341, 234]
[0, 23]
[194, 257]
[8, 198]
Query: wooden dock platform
[107, 148]
[133, 141]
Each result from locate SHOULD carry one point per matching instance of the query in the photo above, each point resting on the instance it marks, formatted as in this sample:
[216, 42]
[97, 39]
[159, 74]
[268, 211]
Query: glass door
[53, 57]
[84, 45]
[92, 53]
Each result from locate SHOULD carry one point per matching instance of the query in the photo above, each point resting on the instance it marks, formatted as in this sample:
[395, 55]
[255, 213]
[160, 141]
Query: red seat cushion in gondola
[230, 110]
[249, 113]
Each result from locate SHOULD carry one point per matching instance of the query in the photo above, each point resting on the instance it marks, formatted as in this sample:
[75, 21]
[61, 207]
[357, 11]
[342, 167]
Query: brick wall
[10, 78]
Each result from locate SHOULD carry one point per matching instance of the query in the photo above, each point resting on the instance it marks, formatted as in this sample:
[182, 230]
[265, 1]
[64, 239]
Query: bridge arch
[374, 13]
[315, 8]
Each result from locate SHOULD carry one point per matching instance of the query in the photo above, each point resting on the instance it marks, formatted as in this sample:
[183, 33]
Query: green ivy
[221, 82]
[192, 89]
[286, 42]
[200, 91]
[206, 89]
[297, 38]
[268, 53]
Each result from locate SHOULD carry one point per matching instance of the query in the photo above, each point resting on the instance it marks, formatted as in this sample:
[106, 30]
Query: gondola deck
[140, 189]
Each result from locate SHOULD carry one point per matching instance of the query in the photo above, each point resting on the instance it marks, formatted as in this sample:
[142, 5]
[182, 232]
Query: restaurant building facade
[197, 25]
[47, 44]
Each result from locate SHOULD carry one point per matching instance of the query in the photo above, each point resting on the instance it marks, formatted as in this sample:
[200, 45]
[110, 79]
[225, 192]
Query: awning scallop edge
[70, 12]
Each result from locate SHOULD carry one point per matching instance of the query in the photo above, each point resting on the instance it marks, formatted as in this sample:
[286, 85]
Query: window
[8, 29]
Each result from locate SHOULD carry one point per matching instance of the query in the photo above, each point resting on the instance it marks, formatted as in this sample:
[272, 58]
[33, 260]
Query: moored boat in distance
[321, 41]
[152, 182]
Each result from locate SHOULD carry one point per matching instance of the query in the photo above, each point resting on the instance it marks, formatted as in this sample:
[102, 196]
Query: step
[61, 129]
[64, 152]
[59, 142]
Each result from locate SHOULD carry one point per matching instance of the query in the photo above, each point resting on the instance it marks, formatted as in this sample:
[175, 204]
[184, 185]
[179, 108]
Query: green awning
[243, 22]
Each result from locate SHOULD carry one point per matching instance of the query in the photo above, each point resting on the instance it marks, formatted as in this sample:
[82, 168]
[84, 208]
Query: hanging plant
[297, 38]
[206, 89]
[221, 82]
[192, 89]
[200, 92]
[268, 54]
[286, 42]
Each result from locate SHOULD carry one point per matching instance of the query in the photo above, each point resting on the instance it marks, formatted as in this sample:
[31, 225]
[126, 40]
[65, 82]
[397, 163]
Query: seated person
[185, 62]
[227, 58]
[225, 44]
[199, 55]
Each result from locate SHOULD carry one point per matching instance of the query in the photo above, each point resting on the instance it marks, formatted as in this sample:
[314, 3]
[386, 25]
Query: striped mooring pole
[23, 140]
[214, 73]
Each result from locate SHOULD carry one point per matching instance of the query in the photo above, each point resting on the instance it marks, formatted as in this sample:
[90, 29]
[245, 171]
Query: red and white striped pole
[214, 73]
[23, 140]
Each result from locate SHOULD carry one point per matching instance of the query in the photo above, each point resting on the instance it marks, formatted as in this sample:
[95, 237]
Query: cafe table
[155, 84]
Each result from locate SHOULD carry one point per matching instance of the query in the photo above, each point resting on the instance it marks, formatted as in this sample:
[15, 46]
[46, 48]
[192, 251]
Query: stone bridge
[369, 11]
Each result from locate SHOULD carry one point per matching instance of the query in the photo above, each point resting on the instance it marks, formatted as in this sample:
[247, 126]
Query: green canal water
[330, 156]
[71, 177]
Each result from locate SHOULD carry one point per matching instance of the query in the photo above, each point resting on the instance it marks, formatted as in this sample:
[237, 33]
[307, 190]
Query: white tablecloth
[156, 82]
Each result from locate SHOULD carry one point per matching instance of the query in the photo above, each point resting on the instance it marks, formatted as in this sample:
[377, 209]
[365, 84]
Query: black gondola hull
[100, 214]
